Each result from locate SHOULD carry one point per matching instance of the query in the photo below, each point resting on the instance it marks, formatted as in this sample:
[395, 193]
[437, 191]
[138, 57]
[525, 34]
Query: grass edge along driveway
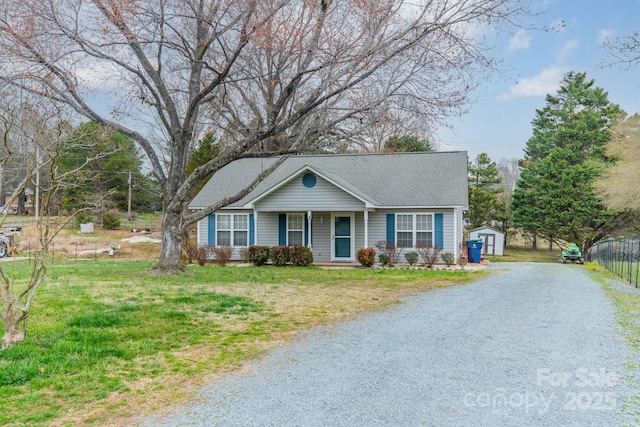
[108, 342]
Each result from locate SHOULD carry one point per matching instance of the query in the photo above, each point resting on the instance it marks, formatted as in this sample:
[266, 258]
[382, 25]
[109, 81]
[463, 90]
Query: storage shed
[493, 240]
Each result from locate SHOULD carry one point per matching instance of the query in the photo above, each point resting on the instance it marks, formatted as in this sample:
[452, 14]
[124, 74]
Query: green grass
[110, 340]
[526, 255]
[625, 270]
[627, 306]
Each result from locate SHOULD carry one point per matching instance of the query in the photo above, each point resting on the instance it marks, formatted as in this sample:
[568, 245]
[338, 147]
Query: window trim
[413, 227]
[288, 229]
[232, 230]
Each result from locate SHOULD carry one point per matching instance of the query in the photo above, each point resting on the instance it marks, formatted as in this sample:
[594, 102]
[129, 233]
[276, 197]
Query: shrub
[448, 258]
[366, 256]
[244, 254]
[411, 257]
[258, 255]
[279, 255]
[429, 254]
[110, 221]
[202, 254]
[189, 251]
[384, 259]
[392, 252]
[301, 256]
[462, 262]
[221, 254]
[83, 217]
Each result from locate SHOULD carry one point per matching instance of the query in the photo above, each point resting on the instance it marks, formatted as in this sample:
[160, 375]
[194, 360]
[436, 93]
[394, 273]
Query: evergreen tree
[484, 204]
[206, 150]
[407, 144]
[110, 156]
[555, 197]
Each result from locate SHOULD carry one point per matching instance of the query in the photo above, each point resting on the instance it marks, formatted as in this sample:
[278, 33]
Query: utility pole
[129, 206]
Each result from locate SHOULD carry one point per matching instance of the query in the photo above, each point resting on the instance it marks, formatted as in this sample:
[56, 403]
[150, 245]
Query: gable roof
[431, 179]
[486, 227]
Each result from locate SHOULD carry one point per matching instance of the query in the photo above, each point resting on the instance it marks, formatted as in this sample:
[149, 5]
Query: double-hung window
[232, 229]
[414, 230]
[295, 229]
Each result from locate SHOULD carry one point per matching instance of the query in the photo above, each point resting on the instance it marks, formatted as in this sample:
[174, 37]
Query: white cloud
[521, 40]
[605, 35]
[567, 49]
[548, 81]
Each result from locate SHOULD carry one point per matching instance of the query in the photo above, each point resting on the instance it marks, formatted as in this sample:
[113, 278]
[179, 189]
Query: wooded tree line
[108, 160]
[578, 177]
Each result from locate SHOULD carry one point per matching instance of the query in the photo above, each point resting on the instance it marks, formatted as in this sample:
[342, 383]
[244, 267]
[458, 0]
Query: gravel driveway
[534, 345]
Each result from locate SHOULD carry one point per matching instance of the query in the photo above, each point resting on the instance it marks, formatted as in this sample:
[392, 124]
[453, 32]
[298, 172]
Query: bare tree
[34, 134]
[271, 76]
[623, 51]
[509, 171]
[619, 184]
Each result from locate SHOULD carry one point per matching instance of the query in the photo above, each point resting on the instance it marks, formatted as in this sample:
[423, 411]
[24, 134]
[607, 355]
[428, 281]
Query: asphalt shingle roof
[432, 179]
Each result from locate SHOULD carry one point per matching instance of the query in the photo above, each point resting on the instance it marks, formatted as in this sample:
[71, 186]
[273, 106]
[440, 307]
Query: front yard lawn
[108, 341]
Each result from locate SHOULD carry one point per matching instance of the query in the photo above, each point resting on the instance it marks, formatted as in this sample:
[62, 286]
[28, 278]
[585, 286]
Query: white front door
[342, 237]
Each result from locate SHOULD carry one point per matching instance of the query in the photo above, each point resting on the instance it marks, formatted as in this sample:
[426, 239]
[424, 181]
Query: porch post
[366, 228]
[309, 216]
[255, 227]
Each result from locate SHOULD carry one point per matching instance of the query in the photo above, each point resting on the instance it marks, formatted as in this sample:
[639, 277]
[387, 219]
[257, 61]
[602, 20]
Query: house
[493, 240]
[336, 204]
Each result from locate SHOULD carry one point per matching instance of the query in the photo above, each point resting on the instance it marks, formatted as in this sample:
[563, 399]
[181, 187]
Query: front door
[342, 227]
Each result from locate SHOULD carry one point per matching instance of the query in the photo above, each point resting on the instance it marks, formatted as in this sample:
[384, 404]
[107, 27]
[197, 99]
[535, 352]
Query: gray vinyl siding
[378, 226]
[321, 235]
[359, 218]
[267, 229]
[203, 231]
[324, 196]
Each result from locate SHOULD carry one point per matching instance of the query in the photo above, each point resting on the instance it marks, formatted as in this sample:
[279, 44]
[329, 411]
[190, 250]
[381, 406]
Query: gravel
[535, 345]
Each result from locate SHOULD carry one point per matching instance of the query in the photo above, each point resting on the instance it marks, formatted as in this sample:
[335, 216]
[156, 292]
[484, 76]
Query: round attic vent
[308, 180]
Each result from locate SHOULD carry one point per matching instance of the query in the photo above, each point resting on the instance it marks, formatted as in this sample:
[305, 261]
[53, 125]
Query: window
[232, 230]
[295, 229]
[414, 230]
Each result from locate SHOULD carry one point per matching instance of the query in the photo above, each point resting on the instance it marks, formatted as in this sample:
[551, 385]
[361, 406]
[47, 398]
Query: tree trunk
[535, 242]
[13, 333]
[171, 246]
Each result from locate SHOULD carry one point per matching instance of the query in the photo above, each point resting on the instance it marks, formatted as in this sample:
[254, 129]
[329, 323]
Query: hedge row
[298, 256]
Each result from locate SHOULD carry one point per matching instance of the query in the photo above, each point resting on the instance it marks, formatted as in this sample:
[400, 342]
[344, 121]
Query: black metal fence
[620, 256]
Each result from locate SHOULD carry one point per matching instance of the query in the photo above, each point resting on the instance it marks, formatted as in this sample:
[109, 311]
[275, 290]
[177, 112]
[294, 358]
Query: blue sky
[533, 64]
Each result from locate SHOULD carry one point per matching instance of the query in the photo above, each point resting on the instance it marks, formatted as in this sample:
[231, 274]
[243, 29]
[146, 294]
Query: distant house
[336, 204]
[493, 240]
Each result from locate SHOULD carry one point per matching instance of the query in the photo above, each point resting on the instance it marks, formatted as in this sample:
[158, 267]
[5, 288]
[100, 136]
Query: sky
[533, 63]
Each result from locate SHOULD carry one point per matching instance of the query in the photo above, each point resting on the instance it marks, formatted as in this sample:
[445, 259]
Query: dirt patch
[102, 244]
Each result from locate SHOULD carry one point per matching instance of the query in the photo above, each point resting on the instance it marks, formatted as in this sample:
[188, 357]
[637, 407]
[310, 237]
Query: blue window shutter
[306, 231]
[391, 228]
[438, 238]
[282, 229]
[211, 238]
[252, 231]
